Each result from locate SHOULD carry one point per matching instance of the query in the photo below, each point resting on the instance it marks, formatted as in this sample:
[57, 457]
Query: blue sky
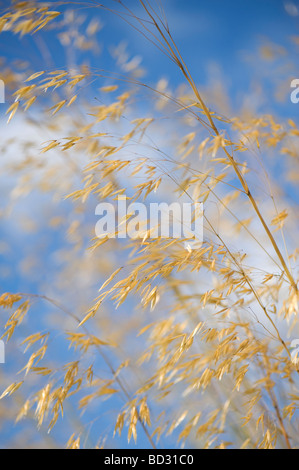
[205, 31]
[225, 34]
